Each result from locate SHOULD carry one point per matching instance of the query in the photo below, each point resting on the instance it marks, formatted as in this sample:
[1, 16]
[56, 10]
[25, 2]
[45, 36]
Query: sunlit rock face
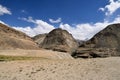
[59, 40]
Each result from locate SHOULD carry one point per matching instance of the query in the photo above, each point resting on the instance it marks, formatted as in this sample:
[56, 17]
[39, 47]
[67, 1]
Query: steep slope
[108, 38]
[39, 38]
[13, 39]
[103, 44]
[59, 40]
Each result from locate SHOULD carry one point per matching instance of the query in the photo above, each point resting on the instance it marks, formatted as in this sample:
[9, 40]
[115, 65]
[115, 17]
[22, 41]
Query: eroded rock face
[39, 38]
[104, 44]
[59, 40]
[13, 39]
[108, 38]
[94, 52]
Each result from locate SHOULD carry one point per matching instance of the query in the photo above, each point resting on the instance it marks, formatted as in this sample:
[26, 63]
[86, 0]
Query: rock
[108, 37]
[13, 39]
[104, 44]
[59, 40]
[94, 52]
[39, 38]
[80, 42]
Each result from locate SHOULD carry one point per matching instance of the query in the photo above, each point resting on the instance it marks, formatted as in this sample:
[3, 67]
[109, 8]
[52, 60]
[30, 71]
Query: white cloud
[40, 27]
[102, 9]
[111, 7]
[29, 19]
[23, 11]
[80, 31]
[87, 30]
[55, 21]
[2, 22]
[28, 30]
[4, 10]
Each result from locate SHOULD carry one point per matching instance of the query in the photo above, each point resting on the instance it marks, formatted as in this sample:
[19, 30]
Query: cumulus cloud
[29, 19]
[101, 9]
[111, 7]
[4, 10]
[55, 21]
[80, 31]
[39, 28]
[85, 30]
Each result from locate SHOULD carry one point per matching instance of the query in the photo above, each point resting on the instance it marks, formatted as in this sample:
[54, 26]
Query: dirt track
[80, 69]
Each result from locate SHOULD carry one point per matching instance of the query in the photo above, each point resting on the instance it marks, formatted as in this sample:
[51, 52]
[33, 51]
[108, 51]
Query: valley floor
[71, 69]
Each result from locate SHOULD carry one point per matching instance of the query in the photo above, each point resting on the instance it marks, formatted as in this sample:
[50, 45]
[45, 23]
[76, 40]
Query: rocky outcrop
[94, 52]
[59, 40]
[39, 38]
[13, 39]
[103, 44]
[108, 38]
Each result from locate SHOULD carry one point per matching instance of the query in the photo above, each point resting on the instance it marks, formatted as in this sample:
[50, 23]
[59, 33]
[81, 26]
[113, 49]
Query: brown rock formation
[108, 38]
[39, 38]
[103, 44]
[59, 40]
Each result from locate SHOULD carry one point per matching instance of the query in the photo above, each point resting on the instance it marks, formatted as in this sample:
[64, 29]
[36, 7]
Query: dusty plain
[51, 68]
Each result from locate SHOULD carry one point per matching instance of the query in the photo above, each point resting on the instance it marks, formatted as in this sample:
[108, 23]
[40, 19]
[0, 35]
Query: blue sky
[71, 11]
[82, 18]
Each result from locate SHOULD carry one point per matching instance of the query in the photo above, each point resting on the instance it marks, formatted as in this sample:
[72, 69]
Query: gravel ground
[78, 69]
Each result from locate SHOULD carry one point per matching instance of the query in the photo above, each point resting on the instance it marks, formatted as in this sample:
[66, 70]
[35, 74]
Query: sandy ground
[36, 53]
[79, 69]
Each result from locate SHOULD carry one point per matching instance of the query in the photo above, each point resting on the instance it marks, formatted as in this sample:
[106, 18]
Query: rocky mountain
[108, 38]
[39, 38]
[59, 40]
[13, 39]
[103, 44]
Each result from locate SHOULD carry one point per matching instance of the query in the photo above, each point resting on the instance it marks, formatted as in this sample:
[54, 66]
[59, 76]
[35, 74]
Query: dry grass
[36, 53]
[13, 58]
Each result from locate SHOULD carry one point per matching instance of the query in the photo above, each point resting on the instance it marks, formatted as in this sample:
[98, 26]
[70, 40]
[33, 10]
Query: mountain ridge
[14, 39]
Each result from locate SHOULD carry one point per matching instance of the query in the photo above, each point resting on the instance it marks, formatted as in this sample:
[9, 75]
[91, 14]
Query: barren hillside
[13, 39]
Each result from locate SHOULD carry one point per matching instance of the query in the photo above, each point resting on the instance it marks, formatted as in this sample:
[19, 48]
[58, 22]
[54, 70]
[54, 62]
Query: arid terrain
[70, 69]
[47, 54]
[58, 56]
